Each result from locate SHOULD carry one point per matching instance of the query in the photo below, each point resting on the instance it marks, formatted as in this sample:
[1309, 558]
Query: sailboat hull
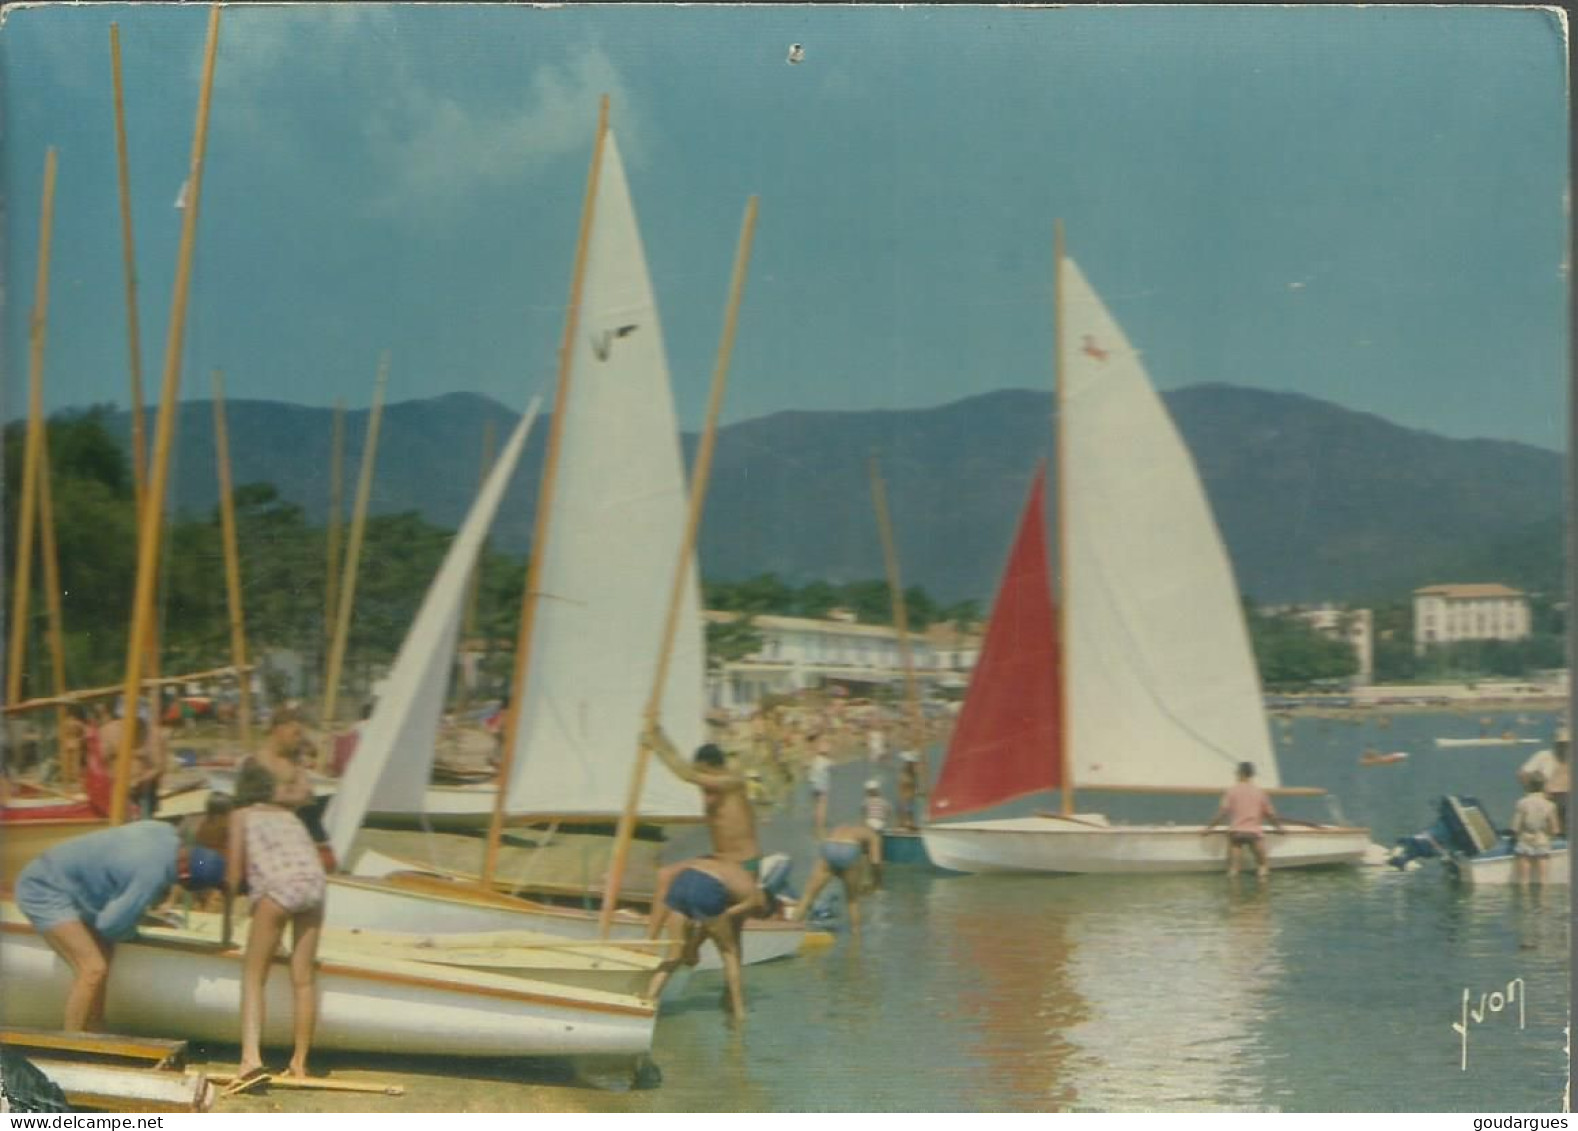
[1047, 844]
[378, 903]
[172, 988]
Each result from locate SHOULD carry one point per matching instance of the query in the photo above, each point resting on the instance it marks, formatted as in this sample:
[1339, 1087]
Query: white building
[1355, 626]
[1445, 614]
[798, 653]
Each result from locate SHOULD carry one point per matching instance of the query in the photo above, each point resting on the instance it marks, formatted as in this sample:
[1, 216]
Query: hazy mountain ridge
[1315, 501]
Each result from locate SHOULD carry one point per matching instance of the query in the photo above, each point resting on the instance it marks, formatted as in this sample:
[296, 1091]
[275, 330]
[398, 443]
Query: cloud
[428, 128]
[437, 149]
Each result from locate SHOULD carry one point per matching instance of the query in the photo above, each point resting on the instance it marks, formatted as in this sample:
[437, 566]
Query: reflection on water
[1205, 948]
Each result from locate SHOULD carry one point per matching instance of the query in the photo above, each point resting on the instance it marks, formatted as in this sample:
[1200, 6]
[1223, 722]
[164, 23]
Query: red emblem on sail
[1093, 350]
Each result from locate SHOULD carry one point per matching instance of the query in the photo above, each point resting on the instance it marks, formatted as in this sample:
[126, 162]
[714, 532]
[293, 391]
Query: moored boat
[1140, 679]
[173, 983]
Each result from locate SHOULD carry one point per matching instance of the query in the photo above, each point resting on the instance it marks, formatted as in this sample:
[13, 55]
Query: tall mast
[227, 522]
[34, 445]
[687, 545]
[129, 259]
[353, 559]
[890, 556]
[1066, 792]
[550, 474]
[151, 517]
[331, 584]
[469, 621]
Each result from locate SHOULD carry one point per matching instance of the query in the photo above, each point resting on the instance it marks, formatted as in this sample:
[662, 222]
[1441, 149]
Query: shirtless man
[730, 818]
[1244, 806]
[713, 897]
[851, 854]
[148, 762]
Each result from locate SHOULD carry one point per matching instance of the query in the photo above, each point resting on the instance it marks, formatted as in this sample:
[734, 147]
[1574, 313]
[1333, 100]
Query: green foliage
[871, 601]
[1292, 653]
[729, 641]
[1476, 659]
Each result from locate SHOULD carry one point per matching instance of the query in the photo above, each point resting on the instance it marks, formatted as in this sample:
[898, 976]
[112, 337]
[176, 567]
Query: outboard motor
[1461, 829]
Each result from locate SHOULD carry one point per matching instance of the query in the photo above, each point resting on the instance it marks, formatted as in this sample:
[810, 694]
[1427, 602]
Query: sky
[1364, 205]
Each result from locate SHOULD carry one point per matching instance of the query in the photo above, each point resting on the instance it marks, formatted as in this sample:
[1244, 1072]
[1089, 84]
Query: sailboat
[1146, 682]
[621, 504]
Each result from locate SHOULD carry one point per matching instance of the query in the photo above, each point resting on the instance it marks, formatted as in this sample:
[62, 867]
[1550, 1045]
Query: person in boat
[1535, 822]
[1551, 767]
[73, 743]
[730, 818]
[852, 855]
[89, 893]
[1245, 806]
[148, 762]
[713, 898]
[271, 850]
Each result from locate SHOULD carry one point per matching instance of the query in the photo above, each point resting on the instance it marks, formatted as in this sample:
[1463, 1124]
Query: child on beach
[272, 849]
[1534, 823]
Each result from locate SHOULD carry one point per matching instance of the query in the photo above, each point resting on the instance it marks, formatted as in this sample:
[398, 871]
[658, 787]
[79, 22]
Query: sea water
[1331, 990]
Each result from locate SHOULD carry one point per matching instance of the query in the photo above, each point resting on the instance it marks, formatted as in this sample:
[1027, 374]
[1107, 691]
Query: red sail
[1006, 742]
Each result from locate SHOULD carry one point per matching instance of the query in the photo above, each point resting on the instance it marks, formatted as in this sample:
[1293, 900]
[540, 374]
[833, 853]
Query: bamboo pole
[52, 591]
[890, 557]
[33, 446]
[682, 567]
[151, 518]
[1065, 751]
[227, 522]
[129, 260]
[540, 525]
[469, 625]
[353, 558]
[331, 585]
[92, 693]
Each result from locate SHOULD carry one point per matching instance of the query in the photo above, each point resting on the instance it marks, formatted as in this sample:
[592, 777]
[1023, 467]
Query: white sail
[619, 513]
[394, 756]
[1163, 688]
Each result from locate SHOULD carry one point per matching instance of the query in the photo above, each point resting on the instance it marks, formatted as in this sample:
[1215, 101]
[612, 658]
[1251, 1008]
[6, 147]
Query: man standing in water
[1552, 768]
[730, 818]
[1245, 806]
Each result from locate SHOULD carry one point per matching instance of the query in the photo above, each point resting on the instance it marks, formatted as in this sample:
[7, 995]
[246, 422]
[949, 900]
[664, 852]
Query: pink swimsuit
[282, 861]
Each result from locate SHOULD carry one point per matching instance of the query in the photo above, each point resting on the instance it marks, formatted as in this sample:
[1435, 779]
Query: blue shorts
[45, 905]
[840, 854]
[698, 895]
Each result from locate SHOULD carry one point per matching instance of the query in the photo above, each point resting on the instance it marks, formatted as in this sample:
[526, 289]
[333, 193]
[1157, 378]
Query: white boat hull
[382, 904]
[1499, 867]
[1449, 742]
[179, 989]
[1046, 844]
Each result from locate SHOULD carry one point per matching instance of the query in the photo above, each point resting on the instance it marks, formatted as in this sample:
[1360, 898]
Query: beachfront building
[798, 653]
[1446, 614]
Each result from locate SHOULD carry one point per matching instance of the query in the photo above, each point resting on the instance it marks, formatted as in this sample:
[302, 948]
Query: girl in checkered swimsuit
[272, 848]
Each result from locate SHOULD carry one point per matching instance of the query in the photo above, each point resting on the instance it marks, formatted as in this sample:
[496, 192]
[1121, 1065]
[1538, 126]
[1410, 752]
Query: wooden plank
[161, 1053]
[111, 1088]
[325, 1084]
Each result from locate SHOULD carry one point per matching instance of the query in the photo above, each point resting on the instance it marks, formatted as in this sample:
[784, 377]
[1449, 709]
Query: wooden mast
[129, 259]
[469, 624]
[227, 522]
[331, 584]
[34, 444]
[550, 473]
[890, 557]
[1065, 753]
[698, 500]
[353, 558]
[151, 515]
[52, 591]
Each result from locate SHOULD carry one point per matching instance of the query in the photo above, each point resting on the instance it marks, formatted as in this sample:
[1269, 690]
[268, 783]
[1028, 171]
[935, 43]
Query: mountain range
[1315, 501]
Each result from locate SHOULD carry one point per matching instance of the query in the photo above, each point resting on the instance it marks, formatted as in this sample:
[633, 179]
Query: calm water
[1331, 991]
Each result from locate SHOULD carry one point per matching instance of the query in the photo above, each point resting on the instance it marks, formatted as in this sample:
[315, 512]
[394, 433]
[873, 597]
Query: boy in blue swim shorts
[851, 854]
